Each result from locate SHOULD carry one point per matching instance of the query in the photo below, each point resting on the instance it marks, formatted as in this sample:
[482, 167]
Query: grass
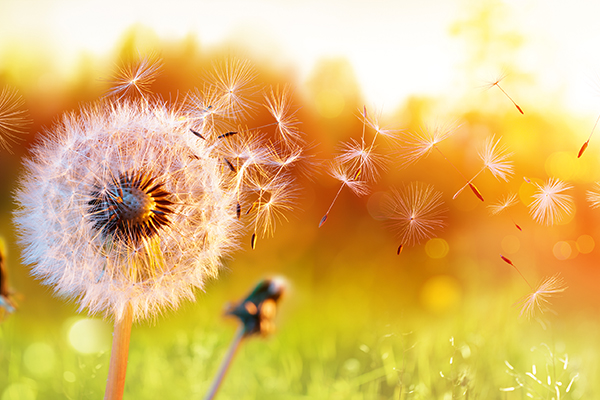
[324, 349]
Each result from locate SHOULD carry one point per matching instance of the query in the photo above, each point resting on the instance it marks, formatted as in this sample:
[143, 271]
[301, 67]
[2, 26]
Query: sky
[397, 48]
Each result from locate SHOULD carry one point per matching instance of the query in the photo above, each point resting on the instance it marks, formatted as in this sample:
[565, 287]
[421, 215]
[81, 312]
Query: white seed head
[121, 204]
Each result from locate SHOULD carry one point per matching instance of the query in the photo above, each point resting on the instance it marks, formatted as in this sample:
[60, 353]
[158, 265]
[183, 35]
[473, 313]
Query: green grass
[325, 348]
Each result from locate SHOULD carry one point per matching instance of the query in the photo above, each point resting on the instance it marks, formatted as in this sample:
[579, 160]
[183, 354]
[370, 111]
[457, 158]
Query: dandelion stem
[235, 344]
[117, 369]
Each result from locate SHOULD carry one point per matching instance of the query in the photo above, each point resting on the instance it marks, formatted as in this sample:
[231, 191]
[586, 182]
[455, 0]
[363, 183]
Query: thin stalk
[226, 363]
[117, 368]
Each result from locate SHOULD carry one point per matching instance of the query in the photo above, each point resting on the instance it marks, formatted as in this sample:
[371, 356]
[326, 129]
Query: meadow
[363, 318]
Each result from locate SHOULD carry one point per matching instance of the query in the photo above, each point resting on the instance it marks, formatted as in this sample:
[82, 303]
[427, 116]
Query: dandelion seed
[399, 249]
[13, 120]
[342, 173]
[495, 159]
[233, 81]
[509, 262]
[505, 202]
[368, 162]
[356, 160]
[587, 142]
[497, 84]
[583, 147]
[197, 134]
[551, 204]
[226, 134]
[538, 299]
[417, 145]
[593, 196]
[135, 78]
[416, 212]
[278, 104]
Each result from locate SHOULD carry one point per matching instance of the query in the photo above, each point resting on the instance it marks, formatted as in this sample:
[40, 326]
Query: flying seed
[229, 164]
[585, 145]
[400, 248]
[238, 210]
[226, 134]
[323, 220]
[197, 134]
[476, 191]
[253, 241]
[252, 207]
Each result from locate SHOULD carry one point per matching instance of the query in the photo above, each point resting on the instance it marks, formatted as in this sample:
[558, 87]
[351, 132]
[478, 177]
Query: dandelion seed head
[416, 212]
[551, 204]
[121, 204]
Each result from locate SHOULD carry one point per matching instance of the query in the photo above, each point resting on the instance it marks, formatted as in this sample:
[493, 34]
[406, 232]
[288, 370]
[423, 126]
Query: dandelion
[417, 145]
[416, 212]
[127, 207]
[135, 78]
[538, 299]
[593, 196]
[13, 120]
[551, 204]
[495, 159]
[505, 202]
[497, 84]
[358, 162]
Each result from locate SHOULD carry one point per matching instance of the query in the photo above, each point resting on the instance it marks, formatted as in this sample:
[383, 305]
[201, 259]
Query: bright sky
[397, 48]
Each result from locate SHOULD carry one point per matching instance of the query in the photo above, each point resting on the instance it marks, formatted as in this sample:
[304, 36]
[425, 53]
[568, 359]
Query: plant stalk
[117, 368]
[235, 344]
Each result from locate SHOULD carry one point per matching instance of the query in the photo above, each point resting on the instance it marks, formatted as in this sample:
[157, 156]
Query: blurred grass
[325, 348]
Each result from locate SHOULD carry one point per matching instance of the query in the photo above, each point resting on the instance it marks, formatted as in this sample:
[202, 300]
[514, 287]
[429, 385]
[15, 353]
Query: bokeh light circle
[585, 244]
[19, 391]
[39, 358]
[440, 293]
[437, 248]
[90, 335]
[562, 250]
